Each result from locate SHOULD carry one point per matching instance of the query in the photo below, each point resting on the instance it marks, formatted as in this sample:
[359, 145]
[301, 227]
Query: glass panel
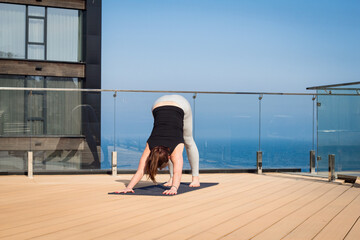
[57, 160]
[286, 131]
[109, 127]
[12, 108]
[12, 125]
[12, 31]
[35, 52]
[63, 109]
[65, 132]
[36, 30]
[63, 35]
[72, 131]
[35, 82]
[226, 130]
[91, 153]
[13, 161]
[134, 123]
[36, 105]
[339, 132]
[36, 11]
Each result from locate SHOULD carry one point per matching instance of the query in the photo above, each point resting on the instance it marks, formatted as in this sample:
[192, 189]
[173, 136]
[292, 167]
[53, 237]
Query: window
[63, 35]
[40, 113]
[36, 36]
[40, 33]
[12, 31]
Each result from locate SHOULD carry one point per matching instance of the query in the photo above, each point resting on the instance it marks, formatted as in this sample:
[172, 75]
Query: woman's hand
[126, 190]
[171, 191]
[139, 173]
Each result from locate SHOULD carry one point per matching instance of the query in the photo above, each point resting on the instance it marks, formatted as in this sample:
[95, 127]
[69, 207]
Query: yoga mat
[157, 190]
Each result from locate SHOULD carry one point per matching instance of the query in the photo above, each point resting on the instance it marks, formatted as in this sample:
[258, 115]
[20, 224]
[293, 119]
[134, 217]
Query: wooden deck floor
[242, 206]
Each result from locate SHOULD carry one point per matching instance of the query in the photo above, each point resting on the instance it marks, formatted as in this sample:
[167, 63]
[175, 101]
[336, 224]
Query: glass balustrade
[286, 131]
[339, 131]
[66, 132]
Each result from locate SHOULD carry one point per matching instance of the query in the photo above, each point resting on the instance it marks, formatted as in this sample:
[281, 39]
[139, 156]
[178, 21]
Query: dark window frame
[27, 42]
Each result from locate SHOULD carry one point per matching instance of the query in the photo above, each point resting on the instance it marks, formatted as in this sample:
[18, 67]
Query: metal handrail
[333, 85]
[171, 91]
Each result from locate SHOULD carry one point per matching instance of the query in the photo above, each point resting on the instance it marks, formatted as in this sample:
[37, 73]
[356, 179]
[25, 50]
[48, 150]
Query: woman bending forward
[172, 131]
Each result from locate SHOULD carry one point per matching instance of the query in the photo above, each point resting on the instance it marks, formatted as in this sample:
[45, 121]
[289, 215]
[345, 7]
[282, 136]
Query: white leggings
[190, 146]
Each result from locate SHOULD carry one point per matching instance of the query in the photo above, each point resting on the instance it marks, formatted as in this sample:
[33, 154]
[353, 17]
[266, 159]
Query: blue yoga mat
[157, 190]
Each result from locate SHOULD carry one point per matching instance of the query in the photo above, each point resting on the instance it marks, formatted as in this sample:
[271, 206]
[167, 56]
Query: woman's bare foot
[195, 182]
[169, 183]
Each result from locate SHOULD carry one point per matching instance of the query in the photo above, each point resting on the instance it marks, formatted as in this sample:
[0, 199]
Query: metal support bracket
[312, 161]
[259, 162]
[331, 167]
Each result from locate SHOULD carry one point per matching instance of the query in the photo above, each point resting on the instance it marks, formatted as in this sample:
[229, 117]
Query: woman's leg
[191, 148]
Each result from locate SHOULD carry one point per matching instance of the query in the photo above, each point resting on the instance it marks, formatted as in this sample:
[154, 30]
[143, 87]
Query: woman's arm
[177, 160]
[139, 173]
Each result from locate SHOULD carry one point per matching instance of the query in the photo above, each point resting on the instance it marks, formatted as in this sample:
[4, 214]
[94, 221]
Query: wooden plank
[341, 224]
[78, 207]
[53, 69]
[73, 4]
[252, 222]
[201, 222]
[313, 225]
[281, 228]
[171, 223]
[99, 225]
[204, 226]
[70, 208]
[61, 199]
[354, 233]
[250, 230]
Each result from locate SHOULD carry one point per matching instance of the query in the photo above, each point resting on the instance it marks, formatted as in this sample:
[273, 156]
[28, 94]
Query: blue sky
[225, 45]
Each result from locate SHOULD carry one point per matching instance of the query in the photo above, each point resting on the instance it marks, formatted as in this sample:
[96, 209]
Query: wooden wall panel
[41, 143]
[73, 4]
[41, 68]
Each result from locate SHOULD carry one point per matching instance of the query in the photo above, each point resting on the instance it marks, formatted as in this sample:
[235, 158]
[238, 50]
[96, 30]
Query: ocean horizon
[220, 153]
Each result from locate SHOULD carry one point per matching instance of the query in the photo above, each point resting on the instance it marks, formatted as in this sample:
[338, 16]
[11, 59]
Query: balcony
[62, 134]
[230, 128]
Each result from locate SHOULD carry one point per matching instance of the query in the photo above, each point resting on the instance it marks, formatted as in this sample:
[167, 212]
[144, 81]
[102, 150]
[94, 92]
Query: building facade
[50, 44]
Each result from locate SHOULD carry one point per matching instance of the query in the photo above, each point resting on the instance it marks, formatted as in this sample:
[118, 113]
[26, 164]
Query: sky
[227, 45]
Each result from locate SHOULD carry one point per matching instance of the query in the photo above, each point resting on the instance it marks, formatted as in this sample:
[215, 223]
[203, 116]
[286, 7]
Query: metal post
[259, 153]
[259, 162]
[313, 123]
[114, 163]
[260, 98]
[114, 120]
[331, 167]
[30, 164]
[312, 161]
[194, 114]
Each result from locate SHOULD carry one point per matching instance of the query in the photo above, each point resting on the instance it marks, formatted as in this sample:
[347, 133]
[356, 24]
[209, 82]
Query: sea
[220, 153]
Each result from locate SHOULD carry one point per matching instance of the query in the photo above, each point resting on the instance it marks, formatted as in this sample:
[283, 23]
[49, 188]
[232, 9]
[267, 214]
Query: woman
[172, 131]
